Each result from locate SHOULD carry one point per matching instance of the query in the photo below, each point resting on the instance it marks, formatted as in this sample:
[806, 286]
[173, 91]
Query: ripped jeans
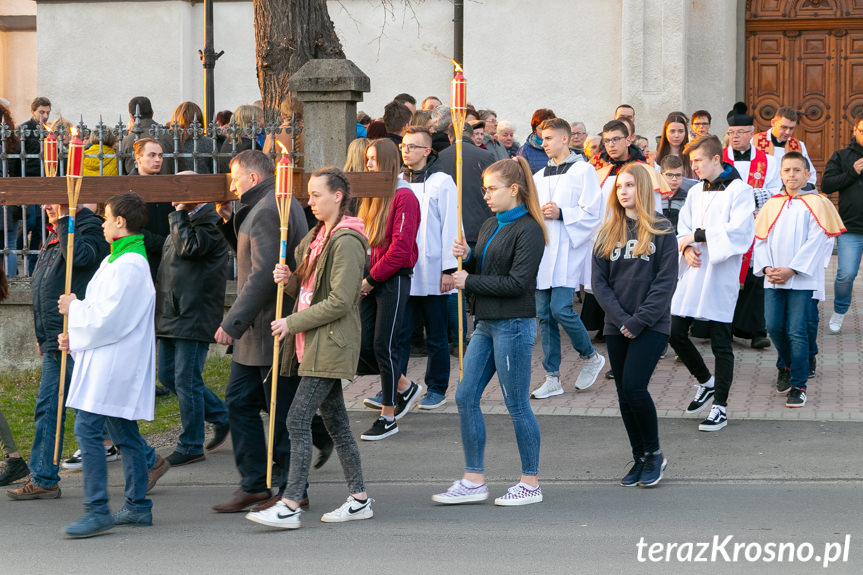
[503, 347]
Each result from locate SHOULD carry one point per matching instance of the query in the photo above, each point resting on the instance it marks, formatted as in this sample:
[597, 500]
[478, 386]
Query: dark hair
[131, 207]
[624, 106]
[12, 142]
[466, 131]
[556, 124]
[671, 161]
[539, 116]
[376, 130]
[223, 118]
[336, 181]
[702, 114]
[183, 116]
[711, 144]
[664, 148]
[419, 130]
[396, 117]
[142, 105]
[615, 125]
[483, 114]
[255, 162]
[363, 118]
[404, 98]
[39, 101]
[794, 156]
[788, 113]
[139, 145]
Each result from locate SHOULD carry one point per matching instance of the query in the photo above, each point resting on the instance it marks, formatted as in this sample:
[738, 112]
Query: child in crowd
[790, 234]
[634, 277]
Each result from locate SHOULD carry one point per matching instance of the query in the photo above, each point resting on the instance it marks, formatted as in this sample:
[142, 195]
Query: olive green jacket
[332, 321]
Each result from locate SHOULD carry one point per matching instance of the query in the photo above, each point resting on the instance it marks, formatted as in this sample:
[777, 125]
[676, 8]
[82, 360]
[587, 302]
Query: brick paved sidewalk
[833, 395]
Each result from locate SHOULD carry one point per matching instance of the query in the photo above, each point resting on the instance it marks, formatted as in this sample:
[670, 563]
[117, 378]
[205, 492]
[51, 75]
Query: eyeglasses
[412, 147]
[700, 124]
[576, 134]
[672, 175]
[734, 133]
[614, 140]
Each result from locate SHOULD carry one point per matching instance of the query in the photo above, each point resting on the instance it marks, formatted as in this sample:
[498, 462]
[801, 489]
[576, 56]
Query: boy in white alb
[791, 232]
[714, 230]
[571, 202]
[432, 280]
[112, 340]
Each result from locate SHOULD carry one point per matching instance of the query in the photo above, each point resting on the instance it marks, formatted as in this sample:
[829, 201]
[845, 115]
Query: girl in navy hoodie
[634, 277]
[391, 225]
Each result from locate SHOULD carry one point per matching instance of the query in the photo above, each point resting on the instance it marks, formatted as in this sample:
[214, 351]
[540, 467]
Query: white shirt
[577, 193]
[710, 291]
[113, 341]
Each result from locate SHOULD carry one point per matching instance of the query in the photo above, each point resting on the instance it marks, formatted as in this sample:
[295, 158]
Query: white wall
[579, 57]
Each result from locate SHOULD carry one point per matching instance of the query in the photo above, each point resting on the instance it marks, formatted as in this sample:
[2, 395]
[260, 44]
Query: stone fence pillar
[329, 90]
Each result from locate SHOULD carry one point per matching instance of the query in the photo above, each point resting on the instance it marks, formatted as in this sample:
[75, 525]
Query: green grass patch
[18, 402]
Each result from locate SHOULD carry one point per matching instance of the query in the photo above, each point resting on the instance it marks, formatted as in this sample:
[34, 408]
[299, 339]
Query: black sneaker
[220, 434]
[759, 342]
[812, 364]
[702, 396]
[634, 474]
[609, 374]
[380, 430]
[178, 459]
[654, 465]
[796, 397]
[715, 421]
[162, 391]
[783, 381]
[15, 470]
[406, 399]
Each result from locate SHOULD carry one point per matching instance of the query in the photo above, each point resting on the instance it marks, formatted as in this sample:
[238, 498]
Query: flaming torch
[459, 111]
[74, 165]
[284, 189]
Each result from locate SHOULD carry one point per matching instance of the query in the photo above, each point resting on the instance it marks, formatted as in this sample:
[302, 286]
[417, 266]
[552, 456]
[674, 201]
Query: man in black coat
[843, 174]
[48, 284]
[190, 303]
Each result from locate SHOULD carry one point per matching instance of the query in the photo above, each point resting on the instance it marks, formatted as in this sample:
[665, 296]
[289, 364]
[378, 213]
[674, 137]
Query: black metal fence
[24, 228]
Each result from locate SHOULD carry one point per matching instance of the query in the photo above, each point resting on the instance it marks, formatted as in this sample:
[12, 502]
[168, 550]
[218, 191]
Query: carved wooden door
[807, 54]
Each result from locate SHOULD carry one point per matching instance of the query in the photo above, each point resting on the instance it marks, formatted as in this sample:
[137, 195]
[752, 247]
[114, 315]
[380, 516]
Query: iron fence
[206, 151]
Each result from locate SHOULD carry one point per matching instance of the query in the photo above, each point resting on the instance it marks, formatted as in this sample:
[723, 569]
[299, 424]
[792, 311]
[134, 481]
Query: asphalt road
[762, 483]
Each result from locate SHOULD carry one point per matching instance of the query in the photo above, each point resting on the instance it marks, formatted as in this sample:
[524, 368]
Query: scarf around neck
[133, 244]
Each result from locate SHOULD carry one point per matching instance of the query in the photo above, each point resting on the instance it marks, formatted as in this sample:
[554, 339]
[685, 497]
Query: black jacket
[839, 176]
[49, 277]
[474, 161]
[505, 287]
[32, 145]
[156, 230]
[190, 289]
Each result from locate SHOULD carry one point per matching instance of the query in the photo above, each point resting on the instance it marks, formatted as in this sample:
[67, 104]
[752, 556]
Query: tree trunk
[289, 33]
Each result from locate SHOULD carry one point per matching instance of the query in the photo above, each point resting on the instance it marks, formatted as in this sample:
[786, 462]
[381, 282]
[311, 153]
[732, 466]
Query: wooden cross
[186, 189]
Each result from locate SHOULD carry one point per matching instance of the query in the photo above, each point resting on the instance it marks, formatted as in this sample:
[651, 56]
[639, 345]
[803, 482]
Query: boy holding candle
[791, 232]
[112, 339]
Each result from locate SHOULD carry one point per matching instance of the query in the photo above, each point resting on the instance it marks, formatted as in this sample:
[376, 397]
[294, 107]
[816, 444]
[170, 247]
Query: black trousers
[720, 344]
[248, 394]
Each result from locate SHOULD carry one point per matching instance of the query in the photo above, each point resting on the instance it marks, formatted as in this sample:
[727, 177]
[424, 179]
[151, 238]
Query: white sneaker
[550, 388]
[836, 322]
[520, 494]
[279, 515]
[350, 510]
[461, 493]
[590, 371]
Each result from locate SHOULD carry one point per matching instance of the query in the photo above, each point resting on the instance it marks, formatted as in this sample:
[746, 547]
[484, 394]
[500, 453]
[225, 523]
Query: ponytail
[517, 171]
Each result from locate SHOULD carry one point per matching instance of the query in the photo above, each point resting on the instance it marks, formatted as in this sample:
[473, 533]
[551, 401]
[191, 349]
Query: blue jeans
[812, 322]
[181, 362]
[849, 254]
[503, 347]
[786, 313]
[88, 432]
[11, 240]
[43, 472]
[433, 309]
[452, 316]
[554, 309]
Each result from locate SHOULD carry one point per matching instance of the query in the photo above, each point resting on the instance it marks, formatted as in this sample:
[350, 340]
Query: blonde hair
[517, 171]
[374, 211]
[243, 116]
[613, 232]
[356, 160]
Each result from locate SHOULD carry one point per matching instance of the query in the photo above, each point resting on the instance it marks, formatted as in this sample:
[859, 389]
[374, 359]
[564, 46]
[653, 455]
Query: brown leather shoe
[161, 468]
[32, 491]
[241, 501]
[275, 499]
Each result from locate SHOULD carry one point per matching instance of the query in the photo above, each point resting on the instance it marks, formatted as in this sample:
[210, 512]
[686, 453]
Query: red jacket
[399, 249]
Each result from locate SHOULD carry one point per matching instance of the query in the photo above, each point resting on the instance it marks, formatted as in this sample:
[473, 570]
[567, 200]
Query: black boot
[15, 469]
